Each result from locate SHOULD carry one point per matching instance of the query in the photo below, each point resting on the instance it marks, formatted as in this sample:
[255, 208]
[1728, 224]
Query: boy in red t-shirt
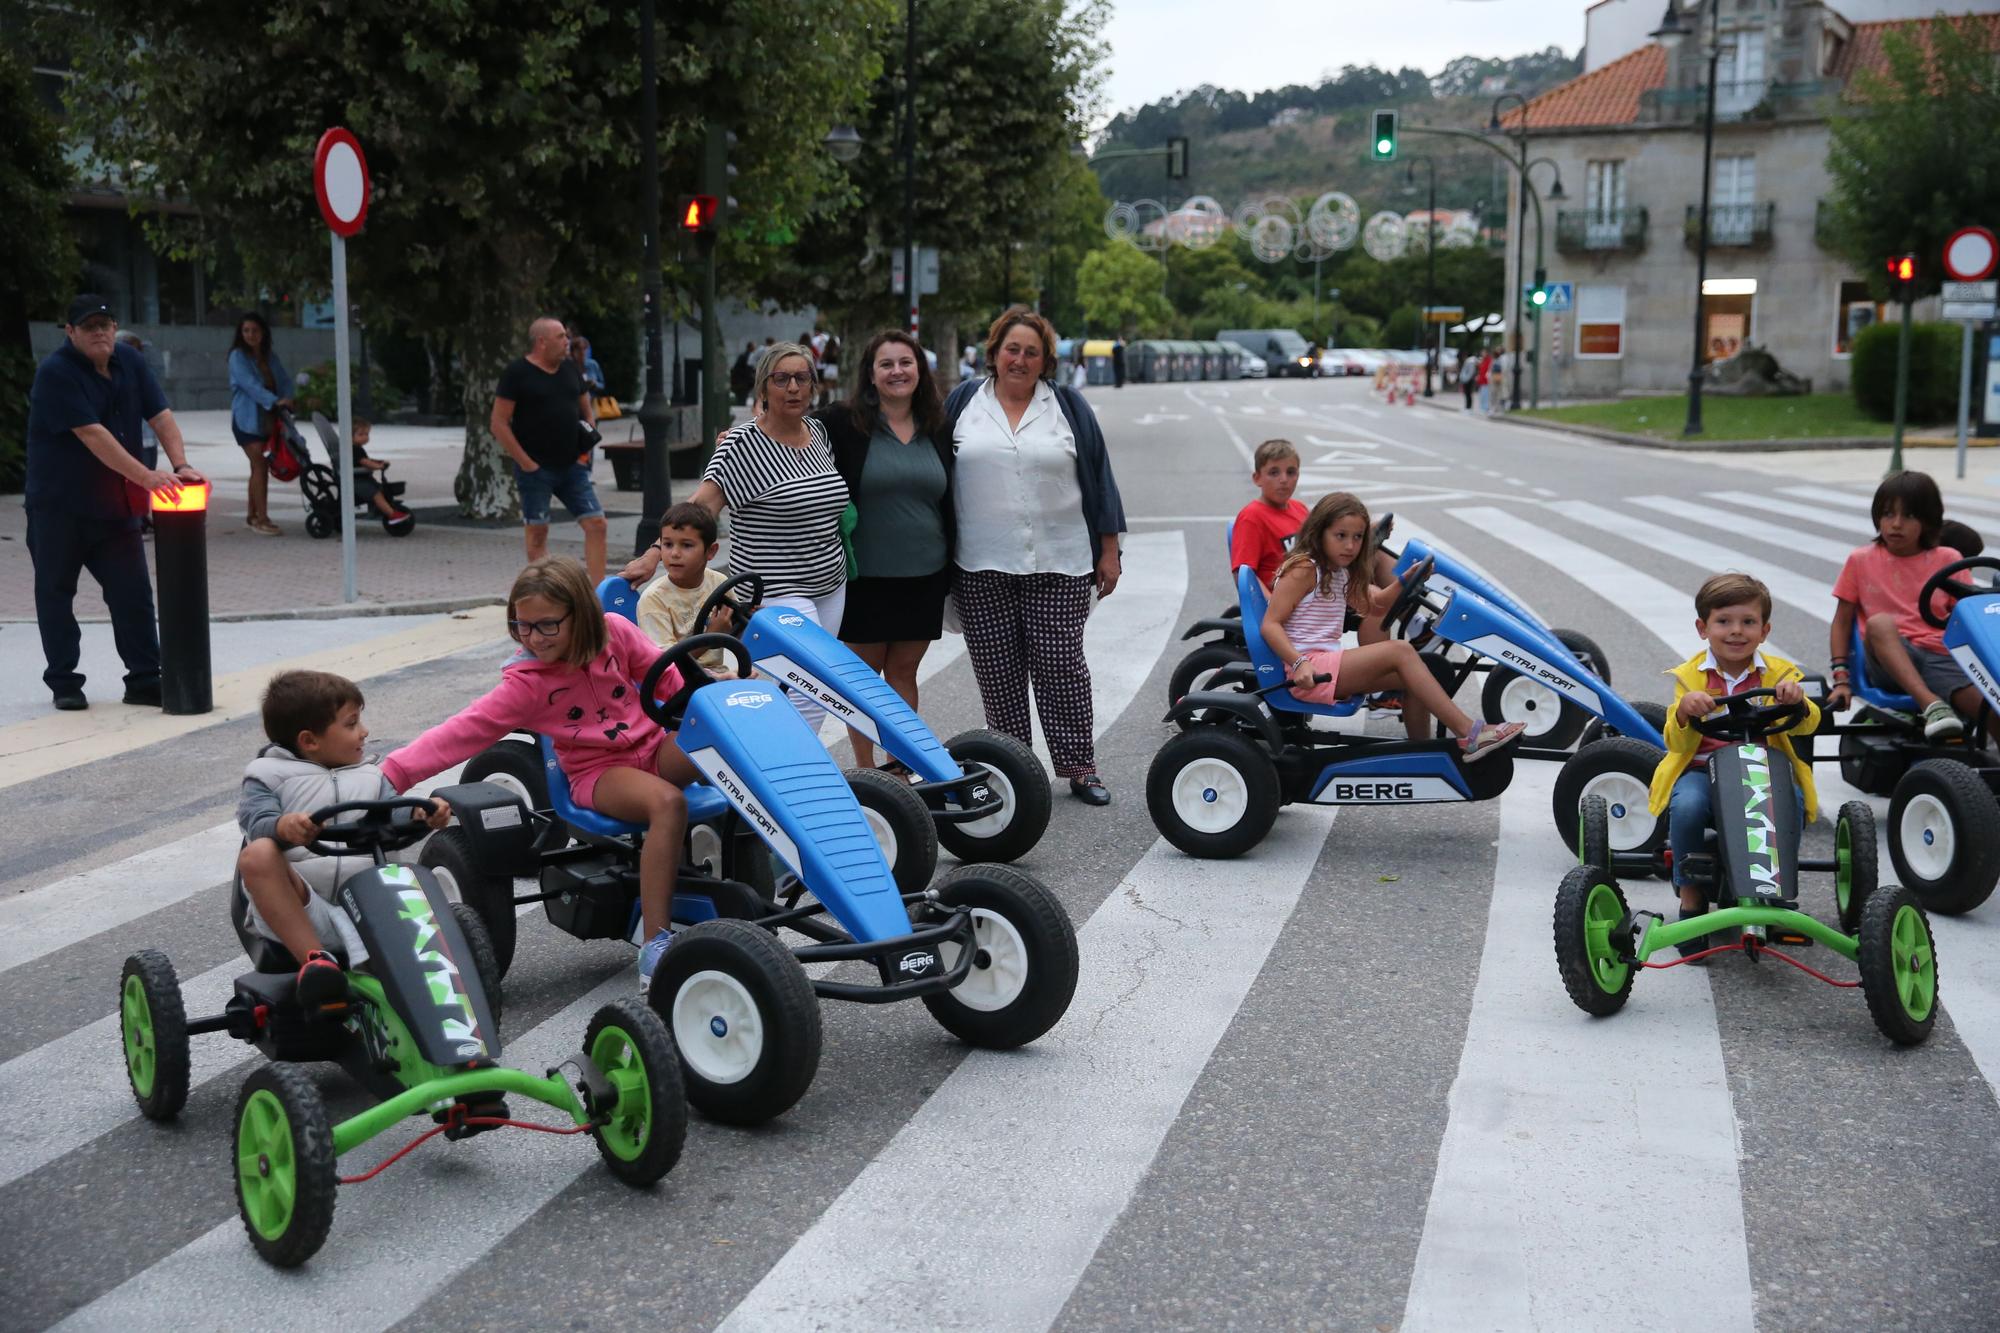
[1265, 527]
[1880, 583]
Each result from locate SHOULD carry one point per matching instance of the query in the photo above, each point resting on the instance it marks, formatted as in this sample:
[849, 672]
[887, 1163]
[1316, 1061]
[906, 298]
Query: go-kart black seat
[267, 955]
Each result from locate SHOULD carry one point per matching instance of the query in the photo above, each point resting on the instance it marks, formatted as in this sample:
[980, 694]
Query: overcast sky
[1161, 47]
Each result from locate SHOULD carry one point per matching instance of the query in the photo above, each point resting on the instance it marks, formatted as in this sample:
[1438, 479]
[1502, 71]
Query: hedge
[1934, 350]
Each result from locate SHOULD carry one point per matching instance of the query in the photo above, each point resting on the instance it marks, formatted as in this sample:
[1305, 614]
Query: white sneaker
[649, 958]
[1941, 723]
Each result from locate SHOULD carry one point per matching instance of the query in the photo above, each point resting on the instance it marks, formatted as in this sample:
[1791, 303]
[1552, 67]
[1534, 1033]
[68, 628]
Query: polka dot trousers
[1028, 628]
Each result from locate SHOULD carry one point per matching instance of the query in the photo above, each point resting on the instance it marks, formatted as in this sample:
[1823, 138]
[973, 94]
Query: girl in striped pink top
[1310, 599]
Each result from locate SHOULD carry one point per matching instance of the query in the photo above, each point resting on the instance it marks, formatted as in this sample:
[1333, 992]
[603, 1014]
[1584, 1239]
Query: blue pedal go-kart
[1215, 789]
[1748, 872]
[418, 1029]
[989, 950]
[1944, 820]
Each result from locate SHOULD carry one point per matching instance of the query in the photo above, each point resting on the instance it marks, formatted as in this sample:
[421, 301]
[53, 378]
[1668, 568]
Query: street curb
[1723, 446]
[358, 610]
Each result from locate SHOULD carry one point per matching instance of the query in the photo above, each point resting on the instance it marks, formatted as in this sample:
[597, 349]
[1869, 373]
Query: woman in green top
[891, 446]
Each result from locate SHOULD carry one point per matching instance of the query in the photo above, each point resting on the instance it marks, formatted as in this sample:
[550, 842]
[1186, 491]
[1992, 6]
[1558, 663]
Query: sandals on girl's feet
[896, 768]
[1486, 737]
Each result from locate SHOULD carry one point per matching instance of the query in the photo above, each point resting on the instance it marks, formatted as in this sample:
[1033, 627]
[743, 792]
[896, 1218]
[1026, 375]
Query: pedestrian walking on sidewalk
[87, 492]
[258, 387]
[543, 418]
[1468, 376]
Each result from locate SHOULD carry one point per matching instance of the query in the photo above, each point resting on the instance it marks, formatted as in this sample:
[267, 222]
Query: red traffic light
[1903, 268]
[697, 212]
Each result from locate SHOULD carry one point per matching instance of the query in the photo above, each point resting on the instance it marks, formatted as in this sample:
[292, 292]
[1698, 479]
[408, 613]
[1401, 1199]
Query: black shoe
[1090, 790]
[321, 982]
[1698, 944]
[71, 701]
[143, 696]
[489, 1110]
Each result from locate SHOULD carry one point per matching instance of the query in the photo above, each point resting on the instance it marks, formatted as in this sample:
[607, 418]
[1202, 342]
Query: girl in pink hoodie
[577, 682]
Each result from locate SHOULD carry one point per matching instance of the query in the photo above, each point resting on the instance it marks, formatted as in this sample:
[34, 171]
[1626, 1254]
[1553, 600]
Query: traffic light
[1177, 159]
[697, 213]
[1903, 278]
[1537, 298]
[718, 167]
[1382, 143]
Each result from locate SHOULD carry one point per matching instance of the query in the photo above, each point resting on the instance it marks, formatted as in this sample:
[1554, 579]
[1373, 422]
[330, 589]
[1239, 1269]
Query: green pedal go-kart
[1749, 874]
[418, 1029]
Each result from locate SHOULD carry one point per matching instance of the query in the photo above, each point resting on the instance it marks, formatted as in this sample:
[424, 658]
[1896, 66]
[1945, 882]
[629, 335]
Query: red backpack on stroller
[284, 449]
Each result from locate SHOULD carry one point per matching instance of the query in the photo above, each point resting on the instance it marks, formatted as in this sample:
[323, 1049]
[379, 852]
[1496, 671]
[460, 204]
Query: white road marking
[1368, 412]
[1810, 595]
[1077, 1118]
[1805, 543]
[1848, 500]
[1829, 518]
[1549, 1183]
[1544, 491]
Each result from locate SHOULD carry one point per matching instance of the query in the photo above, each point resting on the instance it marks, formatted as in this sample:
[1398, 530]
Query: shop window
[1854, 311]
[1600, 323]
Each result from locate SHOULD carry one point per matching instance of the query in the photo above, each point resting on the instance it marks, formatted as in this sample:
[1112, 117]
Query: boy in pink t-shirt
[1880, 583]
[1265, 527]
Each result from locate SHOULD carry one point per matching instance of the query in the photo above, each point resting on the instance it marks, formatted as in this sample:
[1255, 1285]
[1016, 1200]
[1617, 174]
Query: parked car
[1283, 350]
[1248, 365]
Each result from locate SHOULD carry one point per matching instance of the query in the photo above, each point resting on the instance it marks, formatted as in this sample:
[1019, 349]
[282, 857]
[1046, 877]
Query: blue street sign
[1559, 296]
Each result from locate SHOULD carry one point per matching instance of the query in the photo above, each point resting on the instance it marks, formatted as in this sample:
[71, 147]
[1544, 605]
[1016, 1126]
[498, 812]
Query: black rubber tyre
[448, 855]
[1855, 872]
[640, 1141]
[1192, 672]
[1620, 770]
[743, 1017]
[153, 1031]
[1866, 768]
[1585, 650]
[484, 961]
[1944, 836]
[1899, 969]
[399, 527]
[1598, 729]
[1024, 973]
[1588, 905]
[282, 1126]
[1212, 793]
[1593, 846]
[1022, 783]
[904, 828]
[1552, 721]
[517, 766]
[317, 525]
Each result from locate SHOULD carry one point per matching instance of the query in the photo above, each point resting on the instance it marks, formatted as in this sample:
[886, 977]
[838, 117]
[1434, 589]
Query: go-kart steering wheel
[1738, 717]
[668, 712]
[1942, 581]
[739, 607]
[1385, 528]
[1413, 592]
[372, 830]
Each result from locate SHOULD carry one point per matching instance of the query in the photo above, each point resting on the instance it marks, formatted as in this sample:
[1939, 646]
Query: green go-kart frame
[1751, 875]
[418, 1029]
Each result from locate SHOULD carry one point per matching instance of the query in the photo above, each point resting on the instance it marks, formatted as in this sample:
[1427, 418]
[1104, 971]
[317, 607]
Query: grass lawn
[1816, 416]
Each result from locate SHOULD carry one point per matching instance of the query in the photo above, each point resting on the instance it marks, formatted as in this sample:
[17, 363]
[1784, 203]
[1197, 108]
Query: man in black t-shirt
[539, 410]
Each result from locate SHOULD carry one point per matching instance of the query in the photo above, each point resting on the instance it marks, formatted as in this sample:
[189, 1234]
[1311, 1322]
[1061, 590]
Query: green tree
[502, 144]
[1912, 159]
[37, 258]
[1119, 288]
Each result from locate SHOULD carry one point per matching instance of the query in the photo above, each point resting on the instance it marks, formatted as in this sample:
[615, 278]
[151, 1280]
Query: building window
[1854, 311]
[1603, 204]
[1733, 218]
[1728, 316]
[1739, 75]
[1600, 323]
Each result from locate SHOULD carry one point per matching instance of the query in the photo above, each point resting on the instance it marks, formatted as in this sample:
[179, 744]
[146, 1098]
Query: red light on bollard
[190, 499]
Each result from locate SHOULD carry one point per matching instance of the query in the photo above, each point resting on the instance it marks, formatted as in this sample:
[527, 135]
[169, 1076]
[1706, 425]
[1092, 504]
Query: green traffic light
[1540, 298]
[1383, 146]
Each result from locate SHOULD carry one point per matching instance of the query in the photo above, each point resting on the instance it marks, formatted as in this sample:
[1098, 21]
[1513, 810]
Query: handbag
[607, 408]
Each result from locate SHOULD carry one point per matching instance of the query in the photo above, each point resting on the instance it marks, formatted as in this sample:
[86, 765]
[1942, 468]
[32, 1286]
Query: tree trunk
[945, 343]
[485, 482]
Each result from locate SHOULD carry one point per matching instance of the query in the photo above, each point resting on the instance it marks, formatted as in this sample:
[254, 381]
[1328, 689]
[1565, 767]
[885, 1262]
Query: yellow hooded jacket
[1683, 740]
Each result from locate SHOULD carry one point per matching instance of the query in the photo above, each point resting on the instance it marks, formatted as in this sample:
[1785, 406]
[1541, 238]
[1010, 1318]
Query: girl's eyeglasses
[547, 629]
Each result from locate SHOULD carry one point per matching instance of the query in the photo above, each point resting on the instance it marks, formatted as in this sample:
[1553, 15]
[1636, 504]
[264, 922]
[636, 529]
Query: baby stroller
[320, 485]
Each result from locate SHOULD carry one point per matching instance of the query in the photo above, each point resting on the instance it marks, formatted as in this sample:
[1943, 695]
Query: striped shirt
[785, 505]
[1317, 622]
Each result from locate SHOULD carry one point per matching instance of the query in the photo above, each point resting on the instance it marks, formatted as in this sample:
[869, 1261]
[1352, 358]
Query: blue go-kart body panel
[802, 656]
[1509, 637]
[1972, 637]
[1452, 574]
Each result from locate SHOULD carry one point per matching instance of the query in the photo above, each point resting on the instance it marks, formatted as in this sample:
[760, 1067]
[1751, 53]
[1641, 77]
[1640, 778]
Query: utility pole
[653, 412]
[910, 283]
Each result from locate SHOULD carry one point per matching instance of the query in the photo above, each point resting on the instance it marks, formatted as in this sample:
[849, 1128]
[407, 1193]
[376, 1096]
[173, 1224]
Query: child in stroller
[373, 491]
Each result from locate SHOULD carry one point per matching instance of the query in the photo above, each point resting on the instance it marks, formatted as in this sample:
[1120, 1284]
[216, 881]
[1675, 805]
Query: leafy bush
[1933, 371]
[318, 392]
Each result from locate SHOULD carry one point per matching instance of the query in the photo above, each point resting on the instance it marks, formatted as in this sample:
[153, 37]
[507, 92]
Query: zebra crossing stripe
[1847, 500]
[1076, 1119]
[1830, 518]
[1574, 1145]
[1809, 595]
[1805, 543]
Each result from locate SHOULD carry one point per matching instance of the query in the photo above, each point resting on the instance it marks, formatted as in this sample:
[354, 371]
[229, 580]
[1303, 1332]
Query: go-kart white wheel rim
[999, 966]
[1535, 706]
[718, 1027]
[885, 837]
[993, 825]
[1930, 840]
[513, 786]
[1632, 824]
[448, 883]
[1210, 795]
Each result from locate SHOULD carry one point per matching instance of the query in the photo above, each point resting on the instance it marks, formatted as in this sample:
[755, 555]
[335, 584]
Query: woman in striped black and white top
[776, 476]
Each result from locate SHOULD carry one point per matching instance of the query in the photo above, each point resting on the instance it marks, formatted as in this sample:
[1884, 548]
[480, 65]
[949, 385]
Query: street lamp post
[1520, 226]
[1669, 33]
[653, 412]
[1541, 273]
[910, 283]
[1430, 259]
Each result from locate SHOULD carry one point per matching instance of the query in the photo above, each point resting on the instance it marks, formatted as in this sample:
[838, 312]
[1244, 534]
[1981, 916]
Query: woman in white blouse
[1039, 518]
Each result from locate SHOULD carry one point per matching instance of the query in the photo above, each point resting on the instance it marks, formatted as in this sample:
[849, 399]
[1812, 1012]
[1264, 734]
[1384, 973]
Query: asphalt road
[1333, 1084]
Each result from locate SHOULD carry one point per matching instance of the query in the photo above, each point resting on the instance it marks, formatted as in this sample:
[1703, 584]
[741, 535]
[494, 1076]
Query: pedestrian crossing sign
[1559, 295]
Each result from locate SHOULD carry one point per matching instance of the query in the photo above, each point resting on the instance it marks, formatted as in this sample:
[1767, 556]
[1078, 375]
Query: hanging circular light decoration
[1121, 222]
[1385, 237]
[1253, 211]
[1461, 233]
[1272, 238]
[1200, 222]
[1150, 233]
[1334, 221]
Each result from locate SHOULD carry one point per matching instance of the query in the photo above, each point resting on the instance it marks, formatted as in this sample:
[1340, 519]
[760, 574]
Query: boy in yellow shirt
[1733, 614]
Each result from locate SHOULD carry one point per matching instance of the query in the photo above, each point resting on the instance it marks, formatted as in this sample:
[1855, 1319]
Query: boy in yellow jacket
[1733, 613]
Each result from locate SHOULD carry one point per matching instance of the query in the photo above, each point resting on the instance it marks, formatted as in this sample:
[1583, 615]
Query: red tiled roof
[1606, 96]
[1863, 54]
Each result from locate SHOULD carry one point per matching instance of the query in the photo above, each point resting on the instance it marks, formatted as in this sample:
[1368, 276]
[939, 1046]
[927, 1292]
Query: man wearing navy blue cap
[87, 491]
